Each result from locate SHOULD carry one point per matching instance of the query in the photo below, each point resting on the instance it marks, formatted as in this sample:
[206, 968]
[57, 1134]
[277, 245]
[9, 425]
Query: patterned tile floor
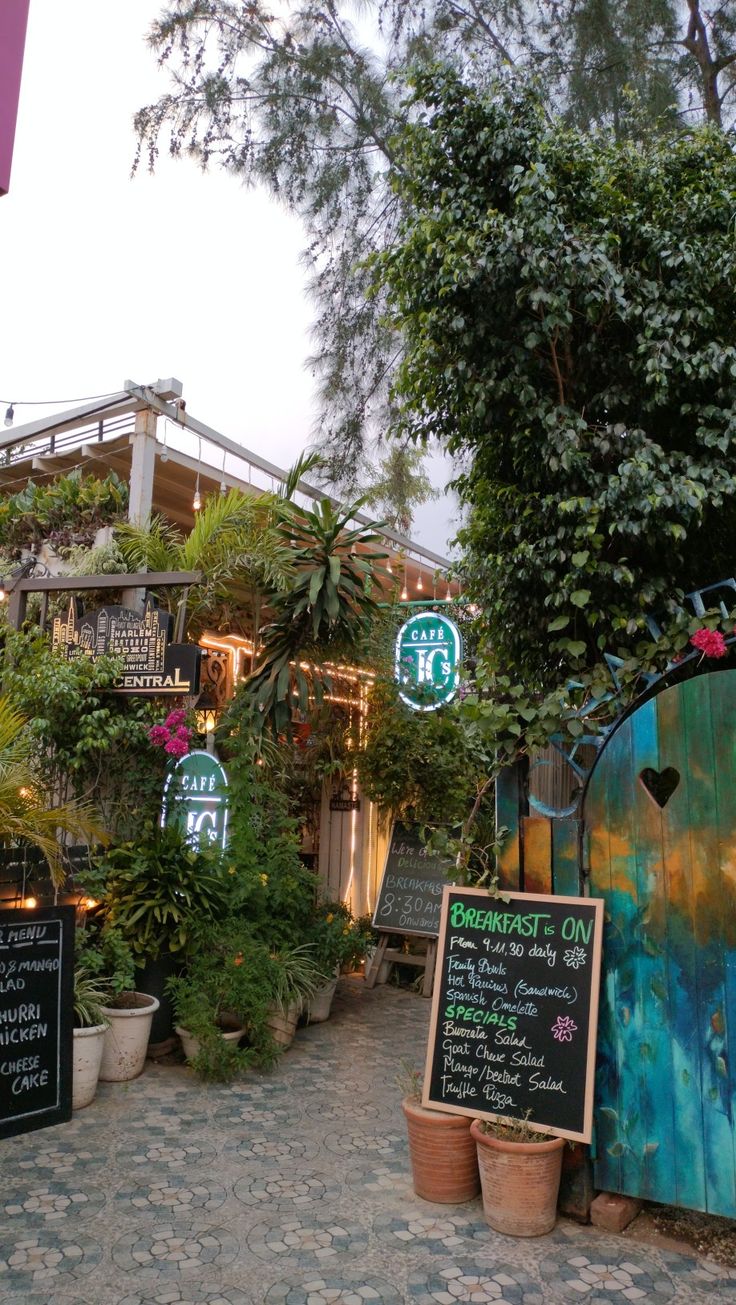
[288, 1189]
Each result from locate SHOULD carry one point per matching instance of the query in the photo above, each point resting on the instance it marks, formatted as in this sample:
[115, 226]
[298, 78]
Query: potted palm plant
[520, 1176]
[294, 977]
[444, 1162]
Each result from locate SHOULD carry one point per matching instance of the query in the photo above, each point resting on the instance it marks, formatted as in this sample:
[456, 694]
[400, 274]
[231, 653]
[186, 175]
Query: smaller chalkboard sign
[36, 1018]
[515, 1009]
[410, 896]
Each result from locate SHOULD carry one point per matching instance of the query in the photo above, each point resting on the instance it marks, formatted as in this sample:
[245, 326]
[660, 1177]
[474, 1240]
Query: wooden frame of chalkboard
[36, 1018]
[515, 1009]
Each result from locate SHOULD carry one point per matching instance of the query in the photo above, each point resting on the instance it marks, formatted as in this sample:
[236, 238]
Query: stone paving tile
[331, 1288]
[49, 1203]
[288, 1188]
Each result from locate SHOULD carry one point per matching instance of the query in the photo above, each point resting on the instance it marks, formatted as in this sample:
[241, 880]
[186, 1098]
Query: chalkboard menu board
[410, 896]
[515, 1009]
[36, 1015]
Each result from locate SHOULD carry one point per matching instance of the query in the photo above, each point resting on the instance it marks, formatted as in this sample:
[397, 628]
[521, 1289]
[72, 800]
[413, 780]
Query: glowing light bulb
[448, 595]
[420, 586]
[29, 903]
[197, 501]
[404, 594]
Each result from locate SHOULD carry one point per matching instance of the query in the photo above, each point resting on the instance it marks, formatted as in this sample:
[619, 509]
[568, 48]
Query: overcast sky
[106, 278]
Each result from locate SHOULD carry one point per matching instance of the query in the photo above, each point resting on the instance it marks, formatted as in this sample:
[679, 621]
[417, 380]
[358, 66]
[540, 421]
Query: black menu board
[515, 1009]
[36, 1018]
[410, 896]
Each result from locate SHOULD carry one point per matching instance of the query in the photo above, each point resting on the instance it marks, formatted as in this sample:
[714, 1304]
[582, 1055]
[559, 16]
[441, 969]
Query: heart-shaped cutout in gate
[660, 784]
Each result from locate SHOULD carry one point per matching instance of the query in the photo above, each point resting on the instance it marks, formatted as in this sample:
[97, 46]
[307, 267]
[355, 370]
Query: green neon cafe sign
[429, 650]
[196, 799]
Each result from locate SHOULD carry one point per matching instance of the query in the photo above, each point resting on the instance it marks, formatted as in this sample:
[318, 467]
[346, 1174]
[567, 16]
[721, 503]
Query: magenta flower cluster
[173, 736]
[710, 642]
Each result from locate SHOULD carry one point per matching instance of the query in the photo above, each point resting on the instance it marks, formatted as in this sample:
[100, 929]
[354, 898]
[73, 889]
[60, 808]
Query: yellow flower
[231, 869]
[264, 880]
[329, 918]
[345, 932]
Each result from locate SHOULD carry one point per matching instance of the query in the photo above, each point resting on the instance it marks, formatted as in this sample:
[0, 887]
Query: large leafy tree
[568, 309]
[568, 306]
[307, 97]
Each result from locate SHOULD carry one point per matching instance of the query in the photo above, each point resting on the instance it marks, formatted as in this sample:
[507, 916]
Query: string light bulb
[197, 500]
[29, 903]
[404, 594]
[448, 595]
[9, 415]
[420, 583]
[2, 589]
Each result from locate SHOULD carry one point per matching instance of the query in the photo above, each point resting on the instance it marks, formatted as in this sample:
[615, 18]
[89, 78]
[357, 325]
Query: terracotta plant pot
[444, 1160]
[88, 1045]
[282, 1023]
[231, 1030]
[520, 1182]
[319, 1006]
[126, 1038]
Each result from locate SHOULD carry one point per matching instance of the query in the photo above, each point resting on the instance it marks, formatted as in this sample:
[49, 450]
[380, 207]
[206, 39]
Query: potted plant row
[233, 983]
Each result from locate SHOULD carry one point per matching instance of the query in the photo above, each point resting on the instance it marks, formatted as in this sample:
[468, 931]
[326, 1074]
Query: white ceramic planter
[190, 1045]
[88, 1045]
[319, 1006]
[126, 1038]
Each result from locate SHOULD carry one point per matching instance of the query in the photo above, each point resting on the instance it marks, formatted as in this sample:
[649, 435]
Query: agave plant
[25, 814]
[329, 605]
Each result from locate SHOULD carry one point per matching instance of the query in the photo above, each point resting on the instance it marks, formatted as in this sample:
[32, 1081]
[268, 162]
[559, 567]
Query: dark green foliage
[157, 888]
[335, 937]
[423, 767]
[568, 307]
[229, 973]
[270, 887]
[87, 742]
[66, 513]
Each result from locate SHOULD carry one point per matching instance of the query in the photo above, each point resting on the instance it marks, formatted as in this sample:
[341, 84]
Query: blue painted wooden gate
[660, 827]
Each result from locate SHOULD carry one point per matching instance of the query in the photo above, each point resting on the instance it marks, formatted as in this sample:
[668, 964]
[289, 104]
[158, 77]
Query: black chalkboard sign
[36, 1018]
[515, 1009]
[410, 896]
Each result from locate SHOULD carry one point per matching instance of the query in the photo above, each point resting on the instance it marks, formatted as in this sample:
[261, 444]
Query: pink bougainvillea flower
[158, 735]
[177, 747]
[175, 718]
[709, 642]
[183, 733]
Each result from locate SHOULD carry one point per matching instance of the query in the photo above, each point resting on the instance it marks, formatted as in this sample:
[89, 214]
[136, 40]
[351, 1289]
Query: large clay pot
[231, 1031]
[88, 1045]
[282, 1023]
[444, 1162]
[320, 1005]
[126, 1038]
[520, 1182]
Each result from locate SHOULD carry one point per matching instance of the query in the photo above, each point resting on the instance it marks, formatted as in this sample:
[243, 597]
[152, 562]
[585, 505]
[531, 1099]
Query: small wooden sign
[36, 1018]
[410, 896]
[515, 1009]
